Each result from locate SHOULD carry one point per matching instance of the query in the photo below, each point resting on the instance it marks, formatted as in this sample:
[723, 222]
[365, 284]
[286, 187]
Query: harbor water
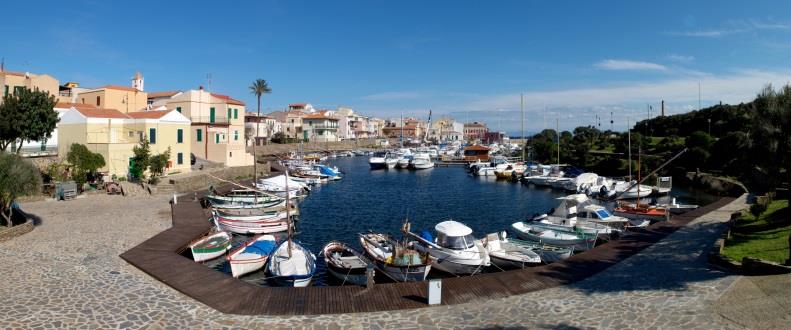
[381, 200]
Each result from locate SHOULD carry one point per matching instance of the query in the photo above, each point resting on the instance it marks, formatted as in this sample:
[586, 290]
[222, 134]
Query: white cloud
[392, 96]
[629, 65]
[680, 58]
[734, 27]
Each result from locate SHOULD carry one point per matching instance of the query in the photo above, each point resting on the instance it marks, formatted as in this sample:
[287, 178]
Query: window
[455, 242]
[211, 115]
[179, 135]
[178, 109]
[217, 138]
[199, 135]
[235, 113]
[236, 135]
[6, 90]
[229, 113]
[18, 89]
[98, 101]
[152, 135]
[180, 158]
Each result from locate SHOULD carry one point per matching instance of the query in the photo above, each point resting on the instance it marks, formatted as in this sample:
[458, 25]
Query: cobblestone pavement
[67, 274]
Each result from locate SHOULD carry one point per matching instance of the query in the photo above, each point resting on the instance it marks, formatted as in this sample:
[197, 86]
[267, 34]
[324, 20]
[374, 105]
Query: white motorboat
[377, 161]
[623, 191]
[553, 174]
[505, 254]
[403, 162]
[292, 269]
[566, 217]
[454, 250]
[252, 255]
[421, 161]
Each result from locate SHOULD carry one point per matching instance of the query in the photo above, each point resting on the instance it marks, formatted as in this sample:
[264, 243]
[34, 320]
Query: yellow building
[122, 98]
[217, 132]
[113, 134]
[10, 82]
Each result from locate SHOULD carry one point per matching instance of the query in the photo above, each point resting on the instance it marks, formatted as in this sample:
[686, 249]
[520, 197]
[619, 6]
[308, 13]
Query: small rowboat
[211, 246]
[271, 217]
[541, 233]
[252, 255]
[345, 263]
[505, 254]
[643, 212]
[263, 227]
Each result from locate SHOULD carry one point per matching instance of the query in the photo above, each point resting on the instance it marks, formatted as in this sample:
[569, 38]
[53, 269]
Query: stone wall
[715, 185]
[201, 180]
[18, 230]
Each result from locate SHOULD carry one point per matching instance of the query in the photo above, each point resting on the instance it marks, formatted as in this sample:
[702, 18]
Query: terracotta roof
[62, 105]
[155, 95]
[253, 114]
[101, 113]
[120, 88]
[318, 116]
[227, 99]
[14, 73]
[476, 147]
[151, 114]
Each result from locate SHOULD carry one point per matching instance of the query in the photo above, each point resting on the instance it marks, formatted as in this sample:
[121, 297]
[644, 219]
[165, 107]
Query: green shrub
[18, 177]
[757, 208]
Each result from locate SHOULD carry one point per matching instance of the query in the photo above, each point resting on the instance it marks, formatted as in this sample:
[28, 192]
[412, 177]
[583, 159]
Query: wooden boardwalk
[159, 257]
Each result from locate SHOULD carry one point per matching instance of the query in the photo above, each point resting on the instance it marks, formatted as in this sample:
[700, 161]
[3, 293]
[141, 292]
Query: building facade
[266, 127]
[114, 134]
[320, 127]
[11, 82]
[475, 131]
[218, 130]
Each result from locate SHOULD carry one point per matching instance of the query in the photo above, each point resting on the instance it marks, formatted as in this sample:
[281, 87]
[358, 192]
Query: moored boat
[252, 255]
[400, 262]
[541, 233]
[455, 249]
[505, 254]
[345, 263]
[210, 246]
[291, 264]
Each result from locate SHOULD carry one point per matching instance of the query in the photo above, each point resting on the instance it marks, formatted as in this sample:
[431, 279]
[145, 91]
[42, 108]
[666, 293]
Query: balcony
[324, 127]
[216, 120]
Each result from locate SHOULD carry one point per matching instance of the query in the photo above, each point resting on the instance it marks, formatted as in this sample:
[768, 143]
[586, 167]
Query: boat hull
[356, 276]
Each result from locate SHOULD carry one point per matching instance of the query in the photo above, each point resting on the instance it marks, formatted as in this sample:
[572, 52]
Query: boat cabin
[476, 152]
[454, 235]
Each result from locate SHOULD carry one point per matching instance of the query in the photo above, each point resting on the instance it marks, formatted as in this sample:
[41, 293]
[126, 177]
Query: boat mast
[522, 108]
[629, 129]
[638, 175]
[288, 215]
[557, 130]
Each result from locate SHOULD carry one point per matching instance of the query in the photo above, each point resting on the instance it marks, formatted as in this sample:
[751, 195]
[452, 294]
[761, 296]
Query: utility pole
[611, 122]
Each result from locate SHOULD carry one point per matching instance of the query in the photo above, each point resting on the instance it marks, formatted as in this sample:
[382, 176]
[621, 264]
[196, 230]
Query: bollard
[435, 291]
[369, 274]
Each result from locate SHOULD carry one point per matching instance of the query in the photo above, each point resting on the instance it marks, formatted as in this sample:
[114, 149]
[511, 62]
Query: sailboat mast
[288, 216]
[638, 175]
[629, 129]
[557, 130]
[522, 108]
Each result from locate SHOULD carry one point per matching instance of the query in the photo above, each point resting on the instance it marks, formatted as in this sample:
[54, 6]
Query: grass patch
[764, 237]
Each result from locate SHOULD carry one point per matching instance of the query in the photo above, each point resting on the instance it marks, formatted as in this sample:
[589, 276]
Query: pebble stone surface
[67, 274]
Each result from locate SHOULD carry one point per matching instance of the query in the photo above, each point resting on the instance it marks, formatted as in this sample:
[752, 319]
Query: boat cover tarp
[261, 247]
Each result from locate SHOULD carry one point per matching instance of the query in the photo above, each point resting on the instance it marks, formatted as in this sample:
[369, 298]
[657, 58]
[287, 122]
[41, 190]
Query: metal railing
[210, 120]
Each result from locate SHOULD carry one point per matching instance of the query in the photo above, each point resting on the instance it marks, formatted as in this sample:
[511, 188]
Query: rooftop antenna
[698, 95]
[208, 81]
[611, 122]
[522, 108]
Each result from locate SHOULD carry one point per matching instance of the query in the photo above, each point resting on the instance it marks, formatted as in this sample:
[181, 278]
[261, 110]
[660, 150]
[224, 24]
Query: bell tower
[137, 81]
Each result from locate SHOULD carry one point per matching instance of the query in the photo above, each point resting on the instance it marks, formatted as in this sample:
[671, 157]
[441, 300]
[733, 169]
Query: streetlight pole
[709, 120]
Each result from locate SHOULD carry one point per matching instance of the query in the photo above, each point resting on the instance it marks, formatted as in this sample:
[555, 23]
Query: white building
[320, 126]
[267, 127]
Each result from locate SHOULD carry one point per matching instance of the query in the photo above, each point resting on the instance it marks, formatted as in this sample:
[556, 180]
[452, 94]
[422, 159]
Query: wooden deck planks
[158, 257]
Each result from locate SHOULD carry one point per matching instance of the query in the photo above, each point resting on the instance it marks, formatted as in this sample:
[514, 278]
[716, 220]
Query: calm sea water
[380, 201]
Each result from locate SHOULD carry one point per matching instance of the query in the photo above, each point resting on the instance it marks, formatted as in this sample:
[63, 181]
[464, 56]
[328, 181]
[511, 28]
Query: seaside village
[203, 126]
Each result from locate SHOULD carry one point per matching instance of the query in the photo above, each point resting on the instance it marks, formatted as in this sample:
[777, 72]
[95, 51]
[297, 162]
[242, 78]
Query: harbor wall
[201, 180]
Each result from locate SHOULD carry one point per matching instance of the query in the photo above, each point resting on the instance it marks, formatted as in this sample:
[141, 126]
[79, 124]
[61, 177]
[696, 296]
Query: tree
[18, 177]
[279, 138]
[259, 88]
[26, 115]
[141, 158]
[157, 166]
[84, 162]
[699, 139]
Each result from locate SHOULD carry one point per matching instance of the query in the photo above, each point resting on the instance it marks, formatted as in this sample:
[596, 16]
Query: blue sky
[573, 60]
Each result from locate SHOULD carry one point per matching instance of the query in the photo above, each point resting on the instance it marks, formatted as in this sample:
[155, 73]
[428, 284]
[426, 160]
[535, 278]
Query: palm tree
[259, 88]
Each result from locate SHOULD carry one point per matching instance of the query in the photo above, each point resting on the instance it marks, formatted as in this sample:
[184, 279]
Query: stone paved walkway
[66, 273]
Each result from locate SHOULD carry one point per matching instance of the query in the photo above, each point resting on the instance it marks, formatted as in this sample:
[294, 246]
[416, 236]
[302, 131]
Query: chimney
[200, 87]
[663, 108]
